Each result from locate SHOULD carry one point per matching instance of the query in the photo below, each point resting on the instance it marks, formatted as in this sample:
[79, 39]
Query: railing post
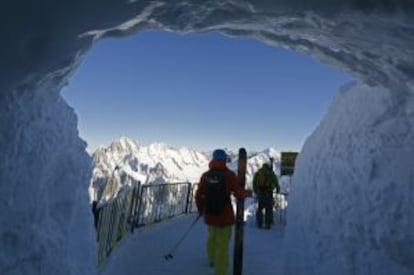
[134, 201]
[110, 228]
[161, 202]
[139, 205]
[189, 196]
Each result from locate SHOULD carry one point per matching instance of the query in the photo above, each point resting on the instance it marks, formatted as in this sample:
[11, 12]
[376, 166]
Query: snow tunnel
[351, 204]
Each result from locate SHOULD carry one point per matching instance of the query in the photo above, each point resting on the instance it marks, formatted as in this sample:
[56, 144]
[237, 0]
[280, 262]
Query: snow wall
[351, 211]
[46, 222]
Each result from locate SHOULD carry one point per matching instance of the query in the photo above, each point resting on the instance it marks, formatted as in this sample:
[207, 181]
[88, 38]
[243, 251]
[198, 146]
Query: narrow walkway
[143, 252]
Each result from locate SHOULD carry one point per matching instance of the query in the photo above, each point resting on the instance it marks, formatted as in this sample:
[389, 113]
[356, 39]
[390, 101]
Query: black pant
[265, 202]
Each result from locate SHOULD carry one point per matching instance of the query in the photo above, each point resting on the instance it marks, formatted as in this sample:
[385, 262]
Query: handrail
[138, 205]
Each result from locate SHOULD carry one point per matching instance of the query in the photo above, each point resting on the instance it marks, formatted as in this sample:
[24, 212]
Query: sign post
[287, 163]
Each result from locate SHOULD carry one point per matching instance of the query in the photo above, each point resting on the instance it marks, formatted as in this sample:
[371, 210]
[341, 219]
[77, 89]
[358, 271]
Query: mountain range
[160, 163]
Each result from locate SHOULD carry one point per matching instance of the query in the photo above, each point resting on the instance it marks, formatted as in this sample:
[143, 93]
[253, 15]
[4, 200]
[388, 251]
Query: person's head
[220, 154]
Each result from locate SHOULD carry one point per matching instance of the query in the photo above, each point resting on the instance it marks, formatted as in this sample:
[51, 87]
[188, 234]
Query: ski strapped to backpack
[216, 191]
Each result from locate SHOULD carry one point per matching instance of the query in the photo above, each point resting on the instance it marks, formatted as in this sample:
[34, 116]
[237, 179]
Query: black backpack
[216, 194]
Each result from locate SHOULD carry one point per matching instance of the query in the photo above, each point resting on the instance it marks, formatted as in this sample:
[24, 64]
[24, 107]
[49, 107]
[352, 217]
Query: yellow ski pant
[218, 242]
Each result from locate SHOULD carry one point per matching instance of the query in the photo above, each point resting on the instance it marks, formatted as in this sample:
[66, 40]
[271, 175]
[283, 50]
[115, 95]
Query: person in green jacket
[264, 183]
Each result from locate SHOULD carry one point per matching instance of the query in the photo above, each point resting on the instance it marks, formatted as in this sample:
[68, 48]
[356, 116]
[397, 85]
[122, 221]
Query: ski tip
[242, 153]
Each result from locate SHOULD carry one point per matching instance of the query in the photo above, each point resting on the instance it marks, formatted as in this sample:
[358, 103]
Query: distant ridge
[160, 163]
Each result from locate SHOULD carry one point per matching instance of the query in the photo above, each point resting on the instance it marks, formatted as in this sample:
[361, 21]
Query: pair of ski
[239, 228]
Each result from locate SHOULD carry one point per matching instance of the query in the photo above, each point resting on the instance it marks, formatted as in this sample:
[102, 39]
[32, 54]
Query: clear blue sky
[200, 90]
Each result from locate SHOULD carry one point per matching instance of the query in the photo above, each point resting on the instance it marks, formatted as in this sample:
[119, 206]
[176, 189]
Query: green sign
[287, 163]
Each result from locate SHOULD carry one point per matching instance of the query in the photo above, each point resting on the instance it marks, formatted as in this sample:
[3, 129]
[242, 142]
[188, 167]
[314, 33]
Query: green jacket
[265, 180]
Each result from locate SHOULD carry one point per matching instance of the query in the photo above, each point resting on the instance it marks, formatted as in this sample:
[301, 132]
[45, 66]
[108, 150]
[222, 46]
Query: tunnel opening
[253, 87]
[197, 91]
[373, 133]
[218, 91]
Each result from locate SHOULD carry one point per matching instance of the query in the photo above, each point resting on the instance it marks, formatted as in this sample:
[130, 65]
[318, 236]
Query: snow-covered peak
[153, 163]
[128, 142]
[124, 144]
[160, 163]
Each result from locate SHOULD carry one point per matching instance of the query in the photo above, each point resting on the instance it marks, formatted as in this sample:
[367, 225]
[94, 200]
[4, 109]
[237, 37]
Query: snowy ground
[143, 252]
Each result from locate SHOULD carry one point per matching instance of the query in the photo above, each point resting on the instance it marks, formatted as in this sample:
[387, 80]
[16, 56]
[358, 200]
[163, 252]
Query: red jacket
[227, 217]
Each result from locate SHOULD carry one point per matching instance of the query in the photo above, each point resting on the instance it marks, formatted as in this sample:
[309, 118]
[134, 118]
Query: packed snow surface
[262, 249]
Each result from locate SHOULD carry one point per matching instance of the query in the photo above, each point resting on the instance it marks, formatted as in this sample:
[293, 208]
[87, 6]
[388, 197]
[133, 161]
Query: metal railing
[161, 201]
[138, 205]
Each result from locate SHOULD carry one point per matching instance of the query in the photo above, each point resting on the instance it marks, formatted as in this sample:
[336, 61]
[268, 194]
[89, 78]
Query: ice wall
[45, 217]
[353, 191]
[44, 169]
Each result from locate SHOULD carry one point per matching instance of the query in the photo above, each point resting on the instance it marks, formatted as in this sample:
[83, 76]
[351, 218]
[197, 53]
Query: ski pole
[170, 255]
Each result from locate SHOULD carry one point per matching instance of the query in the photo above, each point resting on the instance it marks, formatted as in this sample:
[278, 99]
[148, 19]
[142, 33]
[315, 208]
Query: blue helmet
[219, 154]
